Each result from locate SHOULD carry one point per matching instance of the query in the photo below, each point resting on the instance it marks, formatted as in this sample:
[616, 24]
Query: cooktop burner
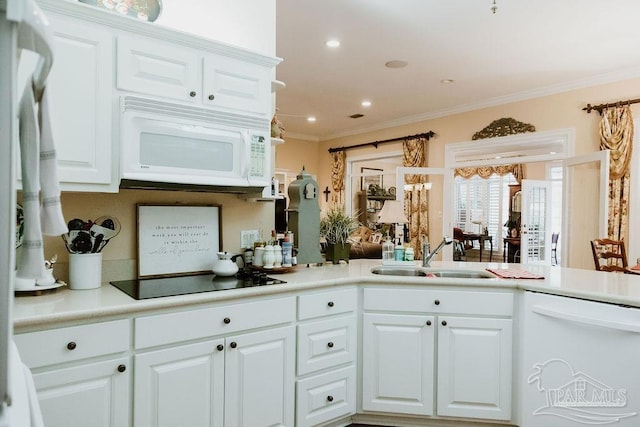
[183, 285]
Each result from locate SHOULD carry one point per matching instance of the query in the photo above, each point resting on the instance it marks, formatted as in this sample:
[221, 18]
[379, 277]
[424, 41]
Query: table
[481, 239]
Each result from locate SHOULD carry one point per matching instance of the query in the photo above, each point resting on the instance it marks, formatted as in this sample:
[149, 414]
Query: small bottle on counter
[408, 254]
[277, 255]
[387, 249]
[398, 253]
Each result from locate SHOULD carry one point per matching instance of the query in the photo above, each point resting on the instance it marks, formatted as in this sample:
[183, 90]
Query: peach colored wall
[296, 153]
[236, 215]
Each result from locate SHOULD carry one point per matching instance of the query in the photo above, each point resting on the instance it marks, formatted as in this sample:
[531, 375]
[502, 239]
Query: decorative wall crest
[503, 127]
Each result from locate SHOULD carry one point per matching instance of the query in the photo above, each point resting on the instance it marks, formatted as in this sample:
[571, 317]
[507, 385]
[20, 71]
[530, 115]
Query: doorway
[528, 149]
[370, 180]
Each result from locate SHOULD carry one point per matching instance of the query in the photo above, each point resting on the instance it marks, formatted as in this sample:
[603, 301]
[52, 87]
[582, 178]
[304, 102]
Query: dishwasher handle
[579, 318]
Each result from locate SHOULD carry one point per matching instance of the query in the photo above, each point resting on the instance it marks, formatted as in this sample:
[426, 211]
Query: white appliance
[22, 26]
[163, 142]
[580, 363]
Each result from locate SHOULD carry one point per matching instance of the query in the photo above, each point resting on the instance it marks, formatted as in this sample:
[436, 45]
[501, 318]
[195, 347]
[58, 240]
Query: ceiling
[528, 48]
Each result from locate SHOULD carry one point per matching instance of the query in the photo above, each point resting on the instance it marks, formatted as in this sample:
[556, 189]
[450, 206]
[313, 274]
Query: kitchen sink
[460, 274]
[399, 271]
[432, 272]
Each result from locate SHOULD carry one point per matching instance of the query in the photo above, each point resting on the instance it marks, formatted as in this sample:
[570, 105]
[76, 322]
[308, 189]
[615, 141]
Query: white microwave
[168, 143]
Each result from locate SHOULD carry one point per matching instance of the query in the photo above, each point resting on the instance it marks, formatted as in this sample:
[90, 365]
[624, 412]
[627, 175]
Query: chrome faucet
[427, 255]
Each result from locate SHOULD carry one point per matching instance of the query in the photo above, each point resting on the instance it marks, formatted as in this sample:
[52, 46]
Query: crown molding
[620, 75]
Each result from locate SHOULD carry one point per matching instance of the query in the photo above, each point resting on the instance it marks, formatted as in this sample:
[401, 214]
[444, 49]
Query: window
[482, 202]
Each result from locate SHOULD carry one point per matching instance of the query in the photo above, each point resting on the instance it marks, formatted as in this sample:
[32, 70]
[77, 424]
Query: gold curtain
[338, 160]
[487, 171]
[616, 134]
[416, 200]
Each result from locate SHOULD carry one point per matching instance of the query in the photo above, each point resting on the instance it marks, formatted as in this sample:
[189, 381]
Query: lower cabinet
[398, 363]
[95, 394]
[474, 367]
[455, 343]
[327, 342]
[81, 373]
[180, 386]
[327, 396]
[242, 380]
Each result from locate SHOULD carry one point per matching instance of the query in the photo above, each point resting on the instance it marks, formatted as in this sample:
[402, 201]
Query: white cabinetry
[243, 378]
[397, 363]
[81, 373]
[327, 349]
[167, 70]
[473, 344]
[80, 88]
[474, 367]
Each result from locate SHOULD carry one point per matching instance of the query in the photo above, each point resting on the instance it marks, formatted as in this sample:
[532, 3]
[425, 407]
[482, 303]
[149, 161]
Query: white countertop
[67, 305]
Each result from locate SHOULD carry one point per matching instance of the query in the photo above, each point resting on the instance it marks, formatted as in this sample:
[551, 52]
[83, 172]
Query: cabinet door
[80, 90]
[237, 86]
[159, 68]
[95, 394]
[259, 382]
[180, 386]
[474, 367]
[398, 363]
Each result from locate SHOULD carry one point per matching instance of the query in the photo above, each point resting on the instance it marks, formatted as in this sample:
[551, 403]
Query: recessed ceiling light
[396, 64]
[333, 43]
[311, 119]
[366, 104]
[446, 81]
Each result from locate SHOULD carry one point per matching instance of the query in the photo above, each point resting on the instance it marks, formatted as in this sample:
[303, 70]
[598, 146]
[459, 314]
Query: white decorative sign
[177, 240]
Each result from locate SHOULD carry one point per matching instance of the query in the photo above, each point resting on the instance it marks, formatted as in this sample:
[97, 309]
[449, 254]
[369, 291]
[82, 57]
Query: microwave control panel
[258, 156]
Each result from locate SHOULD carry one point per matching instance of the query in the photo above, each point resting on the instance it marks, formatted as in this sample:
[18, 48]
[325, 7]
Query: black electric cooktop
[183, 285]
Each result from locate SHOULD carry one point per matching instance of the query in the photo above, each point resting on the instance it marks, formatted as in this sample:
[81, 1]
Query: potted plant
[336, 227]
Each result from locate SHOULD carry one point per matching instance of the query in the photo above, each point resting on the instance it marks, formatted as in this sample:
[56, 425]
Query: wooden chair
[609, 255]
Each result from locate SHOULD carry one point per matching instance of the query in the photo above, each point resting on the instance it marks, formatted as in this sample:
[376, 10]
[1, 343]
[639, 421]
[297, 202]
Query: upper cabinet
[100, 56]
[168, 70]
[80, 93]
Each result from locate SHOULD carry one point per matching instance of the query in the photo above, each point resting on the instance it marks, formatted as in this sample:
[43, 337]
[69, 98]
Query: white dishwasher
[580, 363]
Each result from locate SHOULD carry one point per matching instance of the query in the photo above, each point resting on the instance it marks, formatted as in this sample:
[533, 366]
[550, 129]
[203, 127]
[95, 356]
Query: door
[95, 394]
[180, 386]
[259, 379]
[474, 367]
[81, 103]
[397, 363]
[535, 241]
[585, 189]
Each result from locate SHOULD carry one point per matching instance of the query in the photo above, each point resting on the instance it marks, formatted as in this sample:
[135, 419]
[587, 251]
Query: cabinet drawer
[324, 397]
[195, 324]
[326, 343]
[61, 345]
[327, 303]
[439, 301]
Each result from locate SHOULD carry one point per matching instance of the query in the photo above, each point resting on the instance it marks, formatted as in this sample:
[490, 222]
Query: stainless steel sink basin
[431, 272]
[461, 274]
[398, 271]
